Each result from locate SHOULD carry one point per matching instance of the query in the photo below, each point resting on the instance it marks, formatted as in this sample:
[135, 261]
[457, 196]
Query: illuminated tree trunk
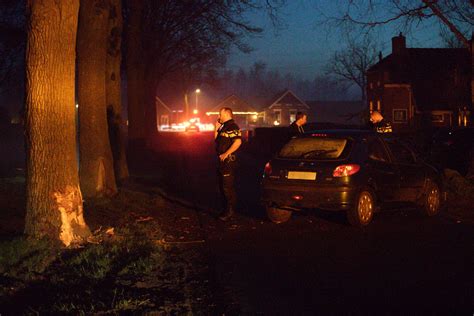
[113, 91]
[96, 163]
[135, 74]
[53, 197]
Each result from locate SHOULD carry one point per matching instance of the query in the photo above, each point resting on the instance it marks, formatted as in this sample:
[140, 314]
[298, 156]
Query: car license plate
[301, 175]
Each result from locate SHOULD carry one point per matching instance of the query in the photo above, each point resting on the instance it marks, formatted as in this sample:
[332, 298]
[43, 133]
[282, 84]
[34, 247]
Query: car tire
[431, 199]
[363, 211]
[278, 215]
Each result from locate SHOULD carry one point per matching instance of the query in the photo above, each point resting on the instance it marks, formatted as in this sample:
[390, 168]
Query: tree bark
[53, 197]
[135, 74]
[96, 163]
[113, 91]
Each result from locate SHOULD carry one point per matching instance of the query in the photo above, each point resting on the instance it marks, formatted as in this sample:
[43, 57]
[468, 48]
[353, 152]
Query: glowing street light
[197, 92]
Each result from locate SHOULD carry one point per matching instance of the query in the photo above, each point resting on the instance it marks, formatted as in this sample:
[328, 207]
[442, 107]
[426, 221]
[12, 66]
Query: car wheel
[431, 199]
[278, 215]
[363, 211]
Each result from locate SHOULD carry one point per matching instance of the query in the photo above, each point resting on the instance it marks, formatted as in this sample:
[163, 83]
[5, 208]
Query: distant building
[282, 109]
[245, 115]
[414, 87]
[166, 116]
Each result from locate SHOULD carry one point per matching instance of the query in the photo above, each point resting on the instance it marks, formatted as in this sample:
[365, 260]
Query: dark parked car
[453, 148]
[350, 170]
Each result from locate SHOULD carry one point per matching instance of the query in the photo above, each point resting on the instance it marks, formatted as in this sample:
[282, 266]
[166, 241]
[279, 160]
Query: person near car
[297, 127]
[379, 124]
[228, 139]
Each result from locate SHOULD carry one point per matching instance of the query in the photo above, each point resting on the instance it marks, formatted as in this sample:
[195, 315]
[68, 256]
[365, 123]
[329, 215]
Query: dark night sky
[303, 46]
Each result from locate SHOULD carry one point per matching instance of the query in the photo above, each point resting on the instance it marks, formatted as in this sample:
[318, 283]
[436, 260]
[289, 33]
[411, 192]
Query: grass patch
[26, 259]
[127, 272]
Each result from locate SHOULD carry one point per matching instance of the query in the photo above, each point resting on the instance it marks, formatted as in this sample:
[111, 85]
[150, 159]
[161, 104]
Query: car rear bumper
[323, 197]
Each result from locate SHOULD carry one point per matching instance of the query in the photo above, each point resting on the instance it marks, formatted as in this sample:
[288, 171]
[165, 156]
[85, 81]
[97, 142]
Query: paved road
[316, 262]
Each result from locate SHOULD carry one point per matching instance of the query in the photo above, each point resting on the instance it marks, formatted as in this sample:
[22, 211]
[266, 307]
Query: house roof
[439, 77]
[286, 97]
[237, 105]
[163, 104]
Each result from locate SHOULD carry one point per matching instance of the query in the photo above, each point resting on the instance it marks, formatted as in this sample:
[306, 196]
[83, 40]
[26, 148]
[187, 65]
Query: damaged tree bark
[96, 163]
[53, 197]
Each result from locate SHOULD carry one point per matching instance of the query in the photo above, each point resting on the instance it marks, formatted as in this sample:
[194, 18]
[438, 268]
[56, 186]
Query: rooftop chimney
[398, 44]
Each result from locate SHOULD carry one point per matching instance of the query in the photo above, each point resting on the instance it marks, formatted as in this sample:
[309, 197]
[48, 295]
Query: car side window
[401, 153]
[377, 151]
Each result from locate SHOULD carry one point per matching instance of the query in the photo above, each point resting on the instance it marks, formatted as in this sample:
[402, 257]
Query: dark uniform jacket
[295, 130]
[226, 135]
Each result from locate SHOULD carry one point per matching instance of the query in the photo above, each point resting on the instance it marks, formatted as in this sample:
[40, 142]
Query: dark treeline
[259, 82]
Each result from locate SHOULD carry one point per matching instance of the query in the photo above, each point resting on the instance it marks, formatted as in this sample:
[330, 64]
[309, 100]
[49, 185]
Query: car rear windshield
[315, 148]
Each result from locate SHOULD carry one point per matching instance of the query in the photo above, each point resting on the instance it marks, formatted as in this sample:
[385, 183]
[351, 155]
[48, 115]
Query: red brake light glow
[345, 170]
[268, 169]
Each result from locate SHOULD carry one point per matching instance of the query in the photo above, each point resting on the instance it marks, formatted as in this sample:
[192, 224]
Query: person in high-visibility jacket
[228, 139]
[379, 124]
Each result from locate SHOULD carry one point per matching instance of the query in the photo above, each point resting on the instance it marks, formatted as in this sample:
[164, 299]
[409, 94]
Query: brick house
[245, 115]
[282, 109]
[165, 116]
[415, 87]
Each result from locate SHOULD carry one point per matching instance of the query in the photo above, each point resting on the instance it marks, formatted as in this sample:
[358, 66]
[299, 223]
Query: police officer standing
[228, 139]
[379, 124]
[296, 128]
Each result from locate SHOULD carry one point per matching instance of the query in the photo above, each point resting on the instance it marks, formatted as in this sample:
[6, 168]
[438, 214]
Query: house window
[292, 115]
[400, 115]
[437, 118]
[277, 116]
[164, 120]
[371, 85]
[379, 105]
[371, 106]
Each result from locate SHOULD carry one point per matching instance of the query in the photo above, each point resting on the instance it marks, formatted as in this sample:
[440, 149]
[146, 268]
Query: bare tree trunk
[135, 74]
[53, 197]
[113, 91]
[96, 162]
[150, 108]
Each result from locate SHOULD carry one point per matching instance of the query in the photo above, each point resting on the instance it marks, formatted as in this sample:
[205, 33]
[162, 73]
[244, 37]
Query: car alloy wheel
[362, 212]
[365, 207]
[433, 199]
[277, 215]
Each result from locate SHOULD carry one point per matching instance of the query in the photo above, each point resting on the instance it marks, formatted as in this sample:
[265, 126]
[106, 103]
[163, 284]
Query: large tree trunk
[150, 108]
[96, 163]
[113, 91]
[135, 74]
[53, 197]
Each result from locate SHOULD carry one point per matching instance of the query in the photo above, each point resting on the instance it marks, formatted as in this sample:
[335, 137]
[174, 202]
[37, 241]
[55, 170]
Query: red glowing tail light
[268, 169]
[345, 170]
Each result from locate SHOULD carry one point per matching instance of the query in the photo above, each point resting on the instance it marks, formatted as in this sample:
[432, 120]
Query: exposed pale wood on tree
[53, 196]
[96, 163]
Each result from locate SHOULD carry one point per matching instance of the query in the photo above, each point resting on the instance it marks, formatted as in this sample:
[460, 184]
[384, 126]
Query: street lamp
[197, 92]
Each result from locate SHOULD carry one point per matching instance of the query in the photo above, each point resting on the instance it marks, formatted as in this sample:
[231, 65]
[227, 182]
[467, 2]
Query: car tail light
[345, 170]
[268, 169]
